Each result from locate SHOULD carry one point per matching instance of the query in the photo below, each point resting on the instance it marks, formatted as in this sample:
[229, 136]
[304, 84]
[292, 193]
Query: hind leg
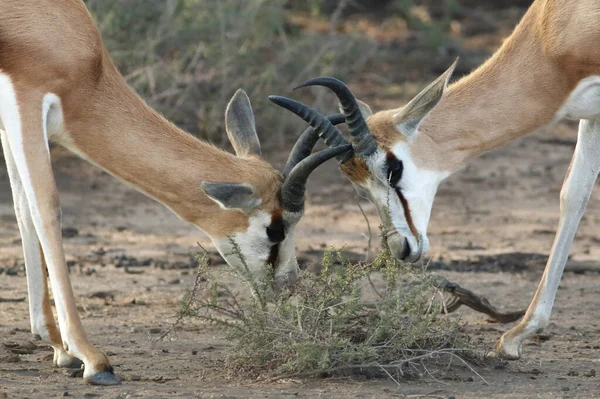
[43, 325]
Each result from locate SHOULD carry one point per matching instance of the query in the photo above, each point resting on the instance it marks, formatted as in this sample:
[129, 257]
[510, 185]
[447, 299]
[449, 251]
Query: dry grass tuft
[323, 327]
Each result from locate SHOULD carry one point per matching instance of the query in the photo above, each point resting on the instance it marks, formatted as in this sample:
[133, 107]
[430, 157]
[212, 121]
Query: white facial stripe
[418, 186]
[255, 246]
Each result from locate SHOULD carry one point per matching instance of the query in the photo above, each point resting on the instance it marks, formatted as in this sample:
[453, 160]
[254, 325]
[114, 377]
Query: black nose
[406, 251]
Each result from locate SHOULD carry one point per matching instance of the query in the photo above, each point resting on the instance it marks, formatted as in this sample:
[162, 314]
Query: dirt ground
[491, 230]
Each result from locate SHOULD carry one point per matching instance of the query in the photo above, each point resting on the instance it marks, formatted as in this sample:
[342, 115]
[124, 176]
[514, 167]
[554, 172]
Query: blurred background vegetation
[187, 57]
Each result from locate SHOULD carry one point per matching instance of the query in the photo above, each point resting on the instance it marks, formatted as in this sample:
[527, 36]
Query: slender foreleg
[24, 121]
[43, 325]
[574, 196]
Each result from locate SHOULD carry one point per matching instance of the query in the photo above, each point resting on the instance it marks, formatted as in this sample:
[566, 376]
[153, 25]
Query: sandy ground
[504, 207]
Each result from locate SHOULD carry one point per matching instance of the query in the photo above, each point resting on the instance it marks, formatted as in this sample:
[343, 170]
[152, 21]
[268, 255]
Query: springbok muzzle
[406, 247]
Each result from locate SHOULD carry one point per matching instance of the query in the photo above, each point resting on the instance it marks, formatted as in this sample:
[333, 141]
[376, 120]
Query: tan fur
[46, 196]
[110, 125]
[519, 89]
[355, 170]
[383, 130]
[53, 333]
[50, 46]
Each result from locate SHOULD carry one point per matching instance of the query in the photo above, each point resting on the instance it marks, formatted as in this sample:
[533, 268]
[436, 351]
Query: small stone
[155, 330]
[69, 232]
[65, 393]
[470, 379]
[573, 373]
[592, 373]
[75, 373]
[135, 377]
[194, 352]
[565, 389]
[29, 345]
[165, 351]
[9, 358]
[100, 251]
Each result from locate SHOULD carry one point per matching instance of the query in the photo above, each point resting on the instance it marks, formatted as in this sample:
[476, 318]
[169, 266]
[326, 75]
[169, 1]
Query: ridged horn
[320, 125]
[294, 187]
[306, 143]
[362, 140]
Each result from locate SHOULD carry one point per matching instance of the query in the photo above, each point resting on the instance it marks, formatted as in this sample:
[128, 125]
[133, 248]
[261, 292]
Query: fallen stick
[11, 300]
[462, 296]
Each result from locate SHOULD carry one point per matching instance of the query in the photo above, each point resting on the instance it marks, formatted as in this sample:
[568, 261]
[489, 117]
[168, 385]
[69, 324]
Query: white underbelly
[583, 102]
[54, 116]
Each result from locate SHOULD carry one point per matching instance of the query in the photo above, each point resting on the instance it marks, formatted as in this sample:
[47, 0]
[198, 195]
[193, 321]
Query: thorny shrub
[323, 327]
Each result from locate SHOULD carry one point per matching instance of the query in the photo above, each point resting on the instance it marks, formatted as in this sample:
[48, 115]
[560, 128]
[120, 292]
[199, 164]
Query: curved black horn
[294, 187]
[322, 126]
[364, 144]
[306, 142]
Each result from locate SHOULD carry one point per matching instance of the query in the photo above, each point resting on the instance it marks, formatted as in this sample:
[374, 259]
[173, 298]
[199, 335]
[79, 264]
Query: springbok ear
[232, 195]
[365, 110]
[240, 126]
[408, 119]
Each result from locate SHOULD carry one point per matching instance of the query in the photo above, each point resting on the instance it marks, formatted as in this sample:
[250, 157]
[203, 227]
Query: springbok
[58, 83]
[547, 70]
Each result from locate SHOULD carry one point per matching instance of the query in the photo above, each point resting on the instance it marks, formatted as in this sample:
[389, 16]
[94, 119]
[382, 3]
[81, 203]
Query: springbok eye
[275, 233]
[395, 168]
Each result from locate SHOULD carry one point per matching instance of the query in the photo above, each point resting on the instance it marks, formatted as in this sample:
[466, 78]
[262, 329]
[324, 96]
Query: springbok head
[383, 167]
[254, 207]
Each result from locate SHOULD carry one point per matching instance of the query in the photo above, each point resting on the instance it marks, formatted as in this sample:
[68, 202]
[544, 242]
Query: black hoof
[103, 378]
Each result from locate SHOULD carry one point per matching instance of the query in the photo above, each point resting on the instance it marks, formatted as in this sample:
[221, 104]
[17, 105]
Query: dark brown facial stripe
[276, 230]
[395, 167]
[407, 214]
[273, 255]
[276, 234]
